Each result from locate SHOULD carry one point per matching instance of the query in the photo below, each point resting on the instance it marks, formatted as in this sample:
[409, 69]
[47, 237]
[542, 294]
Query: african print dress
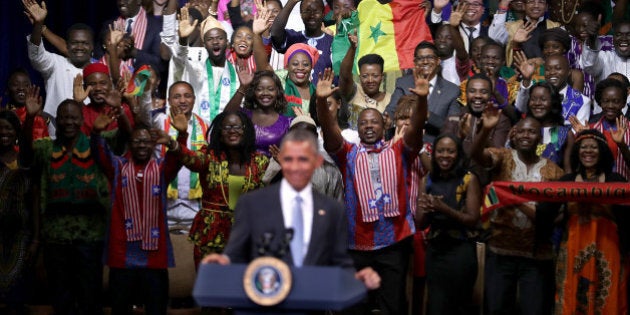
[590, 275]
[15, 228]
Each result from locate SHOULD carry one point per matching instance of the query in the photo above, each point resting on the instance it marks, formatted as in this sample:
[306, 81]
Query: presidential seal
[267, 281]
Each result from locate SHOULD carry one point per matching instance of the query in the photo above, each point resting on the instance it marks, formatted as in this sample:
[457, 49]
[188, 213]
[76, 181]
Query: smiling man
[103, 99]
[443, 94]
[183, 193]
[516, 257]
[557, 73]
[600, 64]
[379, 179]
[58, 71]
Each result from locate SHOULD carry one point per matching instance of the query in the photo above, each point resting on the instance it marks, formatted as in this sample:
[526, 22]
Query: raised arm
[333, 140]
[347, 87]
[33, 106]
[259, 26]
[36, 14]
[458, 42]
[413, 135]
[490, 119]
[245, 78]
[278, 34]
[102, 154]
[185, 26]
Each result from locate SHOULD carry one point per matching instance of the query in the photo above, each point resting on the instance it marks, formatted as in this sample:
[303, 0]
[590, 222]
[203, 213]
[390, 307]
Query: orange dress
[590, 275]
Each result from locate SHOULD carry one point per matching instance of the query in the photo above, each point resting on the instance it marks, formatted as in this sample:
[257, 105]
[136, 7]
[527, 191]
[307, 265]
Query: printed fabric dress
[15, 230]
[590, 275]
[212, 224]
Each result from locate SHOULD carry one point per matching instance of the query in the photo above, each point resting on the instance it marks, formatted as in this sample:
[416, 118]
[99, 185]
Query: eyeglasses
[236, 128]
[424, 58]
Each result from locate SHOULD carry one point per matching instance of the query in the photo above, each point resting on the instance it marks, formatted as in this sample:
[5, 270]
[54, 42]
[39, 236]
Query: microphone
[286, 242]
[263, 248]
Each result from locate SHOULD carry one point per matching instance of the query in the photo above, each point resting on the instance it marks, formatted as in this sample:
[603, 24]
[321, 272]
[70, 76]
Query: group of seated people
[190, 103]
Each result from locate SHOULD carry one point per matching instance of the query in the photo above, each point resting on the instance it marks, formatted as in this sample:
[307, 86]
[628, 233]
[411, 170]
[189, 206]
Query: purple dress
[268, 135]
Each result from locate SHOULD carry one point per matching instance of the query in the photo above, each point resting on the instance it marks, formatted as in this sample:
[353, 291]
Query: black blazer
[260, 212]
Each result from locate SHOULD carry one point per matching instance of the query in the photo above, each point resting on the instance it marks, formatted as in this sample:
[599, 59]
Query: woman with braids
[228, 167]
[590, 275]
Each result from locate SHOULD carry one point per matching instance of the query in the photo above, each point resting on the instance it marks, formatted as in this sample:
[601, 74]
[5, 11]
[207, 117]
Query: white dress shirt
[287, 201]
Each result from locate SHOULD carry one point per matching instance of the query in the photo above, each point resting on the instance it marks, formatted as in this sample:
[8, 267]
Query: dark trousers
[392, 264]
[75, 274]
[451, 267]
[146, 286]
[533, 278]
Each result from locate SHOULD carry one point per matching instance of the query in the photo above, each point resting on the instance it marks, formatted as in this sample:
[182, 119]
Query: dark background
[14, 26]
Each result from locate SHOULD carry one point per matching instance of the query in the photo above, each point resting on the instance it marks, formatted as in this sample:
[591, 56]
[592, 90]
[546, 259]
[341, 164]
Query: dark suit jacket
[150, 52]
[260, 212]
[442, 103]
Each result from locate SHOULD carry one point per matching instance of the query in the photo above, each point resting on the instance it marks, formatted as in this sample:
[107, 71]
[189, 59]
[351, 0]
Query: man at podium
[266, 219]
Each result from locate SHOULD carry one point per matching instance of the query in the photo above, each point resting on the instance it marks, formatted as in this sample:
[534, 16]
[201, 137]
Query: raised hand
[261, 21]
[622, 126]
[524, 65]
[426, 6]
[113, 98]
[324, 84]
[438, 5]
[178, 119]
[465, 125]
[421, 84]
[33, 102]
[353, 38]
[35, 12]
[399, 132]
[490, 117]
[245, 77]
[102, 121]
[115, 35]
[456, 16]
[577, 125]
[160, 136]
[274, 150]
[185, 27]
[298, 111]
[523, 33]
[79, 94]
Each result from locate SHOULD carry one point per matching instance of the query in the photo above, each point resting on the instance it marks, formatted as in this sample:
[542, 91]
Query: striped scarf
[141, 217]
[197, 140]
[377, 192]
[138, 32]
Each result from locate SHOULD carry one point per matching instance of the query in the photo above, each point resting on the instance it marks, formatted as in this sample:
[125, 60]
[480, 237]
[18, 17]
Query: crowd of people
[172, 117]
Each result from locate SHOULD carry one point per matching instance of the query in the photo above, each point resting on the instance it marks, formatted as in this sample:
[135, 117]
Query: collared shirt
[449, 70]
[583, 114]
[463, 31]
[432, 83]
[287, 201]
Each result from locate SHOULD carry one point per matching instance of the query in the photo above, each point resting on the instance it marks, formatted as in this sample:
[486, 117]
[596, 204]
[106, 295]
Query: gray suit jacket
[260, 212]
[442, 102]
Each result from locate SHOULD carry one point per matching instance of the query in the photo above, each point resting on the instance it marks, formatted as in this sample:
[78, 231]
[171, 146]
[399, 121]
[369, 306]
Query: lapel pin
[321, 212]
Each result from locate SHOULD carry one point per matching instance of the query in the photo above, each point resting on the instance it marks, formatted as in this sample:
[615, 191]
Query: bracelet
[240, 92]
[503, 8]
[211, 12]
[44, 29]
[501, 11]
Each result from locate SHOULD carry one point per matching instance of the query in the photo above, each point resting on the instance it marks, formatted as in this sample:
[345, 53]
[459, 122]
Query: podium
[312, 288]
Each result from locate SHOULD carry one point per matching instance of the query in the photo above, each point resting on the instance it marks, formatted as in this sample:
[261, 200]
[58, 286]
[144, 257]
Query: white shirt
[463, 31]
[522, 100]
[287, 201]
[600, 64]
[449, 70]
[58, 74]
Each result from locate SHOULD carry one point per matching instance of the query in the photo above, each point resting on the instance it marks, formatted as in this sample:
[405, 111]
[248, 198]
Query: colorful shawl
[292, 95]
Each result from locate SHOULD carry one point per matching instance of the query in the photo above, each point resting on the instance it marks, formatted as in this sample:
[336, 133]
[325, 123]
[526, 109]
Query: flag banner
[139, 81]
[391, 30]
[501, 194]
